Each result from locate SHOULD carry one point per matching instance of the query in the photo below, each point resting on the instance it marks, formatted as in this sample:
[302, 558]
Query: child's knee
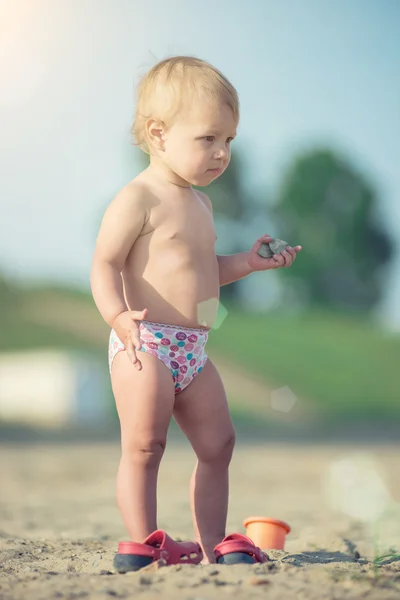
[145, 452]
[218, 452]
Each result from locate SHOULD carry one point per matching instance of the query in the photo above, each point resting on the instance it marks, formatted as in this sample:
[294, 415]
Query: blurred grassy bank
[341, 368]
[343, 365]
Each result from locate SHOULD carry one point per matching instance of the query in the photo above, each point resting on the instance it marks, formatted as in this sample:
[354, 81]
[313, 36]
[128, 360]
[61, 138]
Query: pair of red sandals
[235, 548]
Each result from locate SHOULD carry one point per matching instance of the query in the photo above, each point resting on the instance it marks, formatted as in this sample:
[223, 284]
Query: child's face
[197, 145]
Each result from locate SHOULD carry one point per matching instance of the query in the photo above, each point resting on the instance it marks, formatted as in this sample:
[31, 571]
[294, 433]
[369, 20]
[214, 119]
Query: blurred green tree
[329, 208]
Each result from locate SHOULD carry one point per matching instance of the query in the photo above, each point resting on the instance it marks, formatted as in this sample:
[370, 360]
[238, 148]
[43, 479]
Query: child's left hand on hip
[285, 259]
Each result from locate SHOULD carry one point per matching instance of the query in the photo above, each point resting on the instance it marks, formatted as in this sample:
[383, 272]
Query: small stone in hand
[273, 247]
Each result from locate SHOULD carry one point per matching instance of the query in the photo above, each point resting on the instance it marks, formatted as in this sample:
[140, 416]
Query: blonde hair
[173, 82]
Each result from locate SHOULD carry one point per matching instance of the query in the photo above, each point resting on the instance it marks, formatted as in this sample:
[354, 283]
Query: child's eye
[209, 138]
[229, 140]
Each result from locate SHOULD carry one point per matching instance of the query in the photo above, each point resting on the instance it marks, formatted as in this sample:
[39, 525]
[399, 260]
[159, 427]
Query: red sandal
[133, 556]
[237, 548]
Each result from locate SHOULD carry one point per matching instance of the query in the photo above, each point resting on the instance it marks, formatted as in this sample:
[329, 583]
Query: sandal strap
[141, 549]
[239, 543]
[160, 545]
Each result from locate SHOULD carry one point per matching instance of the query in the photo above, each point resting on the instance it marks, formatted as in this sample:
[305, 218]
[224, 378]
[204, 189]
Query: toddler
[155, 280]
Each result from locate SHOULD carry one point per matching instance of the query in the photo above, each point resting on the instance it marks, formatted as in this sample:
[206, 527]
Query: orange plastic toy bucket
[267, 533]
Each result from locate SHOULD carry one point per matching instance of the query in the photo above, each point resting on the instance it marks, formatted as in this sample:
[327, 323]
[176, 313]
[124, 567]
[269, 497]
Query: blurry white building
[52, 388]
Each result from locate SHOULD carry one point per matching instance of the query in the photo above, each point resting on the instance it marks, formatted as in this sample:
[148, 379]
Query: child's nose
[222, 153]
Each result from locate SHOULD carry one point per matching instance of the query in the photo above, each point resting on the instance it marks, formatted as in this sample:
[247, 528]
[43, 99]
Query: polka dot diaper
[181, 349]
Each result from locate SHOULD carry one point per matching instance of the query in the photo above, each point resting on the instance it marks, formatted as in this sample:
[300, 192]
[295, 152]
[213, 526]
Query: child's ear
[155, 133]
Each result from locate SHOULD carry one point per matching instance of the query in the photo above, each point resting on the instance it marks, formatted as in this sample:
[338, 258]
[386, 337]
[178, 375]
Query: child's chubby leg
[201, 411]
[144, 401]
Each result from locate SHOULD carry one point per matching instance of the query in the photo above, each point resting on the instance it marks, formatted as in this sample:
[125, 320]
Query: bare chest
[180, 221]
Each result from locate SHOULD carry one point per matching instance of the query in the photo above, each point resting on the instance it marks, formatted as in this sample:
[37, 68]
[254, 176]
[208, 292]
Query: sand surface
[59, 526]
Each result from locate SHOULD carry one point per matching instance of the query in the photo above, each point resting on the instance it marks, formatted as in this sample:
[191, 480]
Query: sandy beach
[59, 526]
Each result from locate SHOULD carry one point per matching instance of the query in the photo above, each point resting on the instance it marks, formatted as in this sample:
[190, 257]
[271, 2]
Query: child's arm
[236, 266]
[120, 227]
[233, 267]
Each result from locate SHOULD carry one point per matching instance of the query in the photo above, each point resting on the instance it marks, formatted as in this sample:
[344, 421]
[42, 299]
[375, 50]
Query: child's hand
[284, 259]
[126, 326]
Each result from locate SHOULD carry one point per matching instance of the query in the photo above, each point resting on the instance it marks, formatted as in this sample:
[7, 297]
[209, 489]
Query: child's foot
[208, 561]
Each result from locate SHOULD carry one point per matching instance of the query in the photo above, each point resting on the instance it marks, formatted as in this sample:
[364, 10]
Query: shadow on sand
[321, 557]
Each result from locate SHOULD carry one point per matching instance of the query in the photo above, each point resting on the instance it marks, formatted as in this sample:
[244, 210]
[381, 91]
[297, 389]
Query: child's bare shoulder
[133, 196]
[123, 222]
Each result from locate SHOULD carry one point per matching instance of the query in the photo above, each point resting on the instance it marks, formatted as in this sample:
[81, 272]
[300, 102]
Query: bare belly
[179, 288]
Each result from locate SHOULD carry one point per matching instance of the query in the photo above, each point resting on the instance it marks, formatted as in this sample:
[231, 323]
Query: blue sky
[308, 72]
